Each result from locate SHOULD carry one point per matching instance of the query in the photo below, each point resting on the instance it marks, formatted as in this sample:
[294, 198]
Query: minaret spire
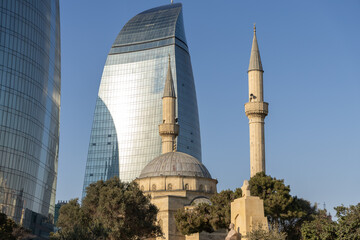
[255, 60]
[169, 90]
[256, 110]
[169, 129]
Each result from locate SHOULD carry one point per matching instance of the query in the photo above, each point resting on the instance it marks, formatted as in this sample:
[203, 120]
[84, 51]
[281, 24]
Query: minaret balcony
[169, 129]
[256, 108]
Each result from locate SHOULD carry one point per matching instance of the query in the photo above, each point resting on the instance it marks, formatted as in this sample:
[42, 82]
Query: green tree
[194, 220]
[6, 227]
[321, 228]
[110, 210]
[260, 234]
[205, 217]
[283, 211]
[221, 208]
[348, 222]
[10, 230]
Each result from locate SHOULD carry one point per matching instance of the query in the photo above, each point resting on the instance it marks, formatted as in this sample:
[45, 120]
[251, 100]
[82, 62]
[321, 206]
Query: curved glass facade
[125, 134]
[29, 107]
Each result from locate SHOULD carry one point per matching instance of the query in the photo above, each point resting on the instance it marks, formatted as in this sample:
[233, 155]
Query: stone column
[169, 129]
[256, 110]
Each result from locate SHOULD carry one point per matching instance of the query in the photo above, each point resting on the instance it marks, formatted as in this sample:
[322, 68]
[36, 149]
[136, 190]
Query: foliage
[220, 208]
[348, 222]
[205, 217]
[11, 231]
[260, 234]
[321, 228]
[283, 211]
[110, 210]
[6, 227]
[194, 220]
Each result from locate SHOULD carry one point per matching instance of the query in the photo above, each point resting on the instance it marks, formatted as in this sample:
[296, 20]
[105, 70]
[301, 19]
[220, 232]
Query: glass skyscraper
[125, 133]
[29, 108]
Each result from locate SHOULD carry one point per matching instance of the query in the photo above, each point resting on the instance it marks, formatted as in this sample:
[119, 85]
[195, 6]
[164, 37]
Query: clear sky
[311, 57]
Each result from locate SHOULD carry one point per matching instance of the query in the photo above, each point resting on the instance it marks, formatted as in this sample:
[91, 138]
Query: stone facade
[170, 193]
[247, 212]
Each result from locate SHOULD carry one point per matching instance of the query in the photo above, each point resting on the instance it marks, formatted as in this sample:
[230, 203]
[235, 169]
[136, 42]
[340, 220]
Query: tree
[348, 222]
[6, 227]
[321, 228]
[260, 234]
[10, 230]
[194, 220]
[205, 217]
[110, 210]
[283, 211]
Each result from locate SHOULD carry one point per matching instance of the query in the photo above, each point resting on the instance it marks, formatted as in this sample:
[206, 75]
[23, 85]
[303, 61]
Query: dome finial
[254, 27]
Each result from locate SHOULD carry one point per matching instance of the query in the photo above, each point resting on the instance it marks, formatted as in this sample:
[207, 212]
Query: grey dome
[174, 164]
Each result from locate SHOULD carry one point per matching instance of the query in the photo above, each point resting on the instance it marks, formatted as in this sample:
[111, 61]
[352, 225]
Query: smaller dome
[175, 164]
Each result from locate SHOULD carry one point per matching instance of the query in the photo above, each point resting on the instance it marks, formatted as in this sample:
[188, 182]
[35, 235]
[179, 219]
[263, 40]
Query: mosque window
[169, 186]
[201, 187]
[153, 187]
[142, 188]
[186, 186]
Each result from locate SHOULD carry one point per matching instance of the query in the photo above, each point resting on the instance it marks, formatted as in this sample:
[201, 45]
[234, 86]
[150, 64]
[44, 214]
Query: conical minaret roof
[255, 60]
[169, 90]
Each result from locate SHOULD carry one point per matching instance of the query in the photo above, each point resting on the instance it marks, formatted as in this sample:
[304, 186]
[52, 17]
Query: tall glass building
[29, 108]
[125, 134]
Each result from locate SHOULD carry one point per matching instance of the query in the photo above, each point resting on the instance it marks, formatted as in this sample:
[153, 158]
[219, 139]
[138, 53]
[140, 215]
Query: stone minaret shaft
[256, 110]
[169, 129]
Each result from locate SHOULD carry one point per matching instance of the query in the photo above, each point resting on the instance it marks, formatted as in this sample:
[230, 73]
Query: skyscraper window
[29, 108]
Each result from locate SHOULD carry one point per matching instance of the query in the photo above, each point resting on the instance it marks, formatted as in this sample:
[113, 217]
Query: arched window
[169, 186]
[153, 187]
[142, 188]
[186, 187]
[201, 187]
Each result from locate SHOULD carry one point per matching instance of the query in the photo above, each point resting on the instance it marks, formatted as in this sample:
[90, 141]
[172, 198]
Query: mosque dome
[175, 164]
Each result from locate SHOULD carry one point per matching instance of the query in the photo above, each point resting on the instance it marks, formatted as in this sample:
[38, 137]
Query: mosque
[176, 180]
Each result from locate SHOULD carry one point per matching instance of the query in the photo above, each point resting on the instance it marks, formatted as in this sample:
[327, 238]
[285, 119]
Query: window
[186, 186]
[153, 187]
[169, 186]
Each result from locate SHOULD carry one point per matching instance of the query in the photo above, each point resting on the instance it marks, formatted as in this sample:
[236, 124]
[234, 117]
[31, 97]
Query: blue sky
[310, 53]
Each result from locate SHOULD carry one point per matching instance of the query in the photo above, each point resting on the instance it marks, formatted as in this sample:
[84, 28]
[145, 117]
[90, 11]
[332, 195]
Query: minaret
[169, 129]
[256, 110]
